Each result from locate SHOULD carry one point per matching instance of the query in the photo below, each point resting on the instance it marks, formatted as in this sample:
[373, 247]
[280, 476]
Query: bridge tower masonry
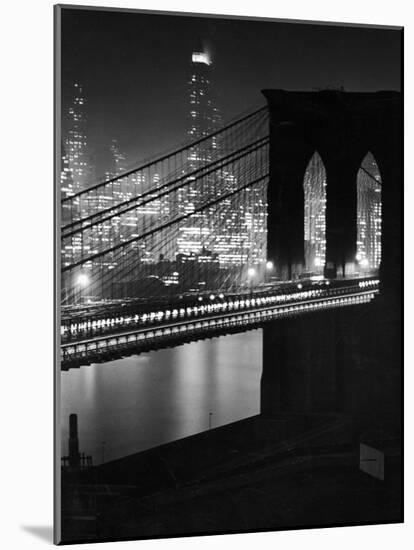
[347, 360]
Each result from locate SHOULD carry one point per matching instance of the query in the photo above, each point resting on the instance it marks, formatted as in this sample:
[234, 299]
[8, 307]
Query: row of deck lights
[158, 316]
[248, 317]
[208, 308]
[370, 283]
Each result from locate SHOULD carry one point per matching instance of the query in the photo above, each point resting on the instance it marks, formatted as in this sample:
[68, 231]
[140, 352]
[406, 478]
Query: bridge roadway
[97, 334]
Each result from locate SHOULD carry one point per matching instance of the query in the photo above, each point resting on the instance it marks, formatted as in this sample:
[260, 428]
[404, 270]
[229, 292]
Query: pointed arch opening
[314, 186]
[369, 215]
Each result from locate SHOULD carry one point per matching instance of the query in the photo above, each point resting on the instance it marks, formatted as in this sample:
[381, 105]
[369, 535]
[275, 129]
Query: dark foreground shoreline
[257, 474]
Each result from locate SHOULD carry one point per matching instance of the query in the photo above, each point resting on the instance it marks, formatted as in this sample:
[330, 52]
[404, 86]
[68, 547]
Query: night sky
[134, 68]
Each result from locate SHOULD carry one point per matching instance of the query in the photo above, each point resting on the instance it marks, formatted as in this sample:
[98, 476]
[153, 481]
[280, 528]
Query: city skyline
[244, 226]
[241, 240]
[135, 79]
[208, 52]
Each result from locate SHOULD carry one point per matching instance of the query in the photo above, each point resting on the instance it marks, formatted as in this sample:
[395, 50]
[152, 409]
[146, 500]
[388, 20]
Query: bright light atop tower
[200, 57]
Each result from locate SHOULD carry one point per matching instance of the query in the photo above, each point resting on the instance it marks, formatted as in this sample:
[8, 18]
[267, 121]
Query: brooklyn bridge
[283, 213]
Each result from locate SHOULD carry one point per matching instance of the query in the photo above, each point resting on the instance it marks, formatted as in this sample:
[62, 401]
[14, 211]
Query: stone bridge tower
[346, 360]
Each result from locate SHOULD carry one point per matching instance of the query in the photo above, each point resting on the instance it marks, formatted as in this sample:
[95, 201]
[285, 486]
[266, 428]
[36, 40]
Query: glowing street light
[82, 280]
[363, 262]
[269, 265]
[251, 273]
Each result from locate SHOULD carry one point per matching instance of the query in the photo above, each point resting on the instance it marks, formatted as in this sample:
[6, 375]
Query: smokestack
[74, 457]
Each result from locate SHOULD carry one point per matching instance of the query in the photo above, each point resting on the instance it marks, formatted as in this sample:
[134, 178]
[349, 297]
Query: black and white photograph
[228, 258]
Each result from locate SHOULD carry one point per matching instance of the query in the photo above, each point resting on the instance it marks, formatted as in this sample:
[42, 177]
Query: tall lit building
[66, 180]
[75, 142]
[314, 187]
[74, 167]
[204, 117]
[122, 228]
[369, 214]
[238, 230]
[112, 232]
[132, 222]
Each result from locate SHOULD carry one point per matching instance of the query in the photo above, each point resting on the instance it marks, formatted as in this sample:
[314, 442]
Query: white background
[26, 268]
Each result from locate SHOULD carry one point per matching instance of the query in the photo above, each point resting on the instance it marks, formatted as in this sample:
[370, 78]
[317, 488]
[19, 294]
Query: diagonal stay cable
[120, 255]
[152, 190]
[85, 260]
[154, 230]
[159, 245]
[160, 231]
[370, 175]
[162, 158]
[131, 204]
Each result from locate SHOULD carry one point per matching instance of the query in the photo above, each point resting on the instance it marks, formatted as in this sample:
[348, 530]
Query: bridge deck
[128, 335]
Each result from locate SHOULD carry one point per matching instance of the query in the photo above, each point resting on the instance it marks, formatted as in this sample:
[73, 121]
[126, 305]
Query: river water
[133, 404]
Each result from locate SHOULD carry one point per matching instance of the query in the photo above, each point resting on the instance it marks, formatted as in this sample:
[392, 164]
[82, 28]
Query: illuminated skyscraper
[118, 159]
[369, 215]
[204, 117]
[76, 143]
[66, 180]
[238, 230]
[314, 187]
[119, 193]
[123, 190]
[74, 168]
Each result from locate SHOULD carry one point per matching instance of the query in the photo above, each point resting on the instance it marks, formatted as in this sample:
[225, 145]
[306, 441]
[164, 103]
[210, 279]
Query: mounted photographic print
[228, 274]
